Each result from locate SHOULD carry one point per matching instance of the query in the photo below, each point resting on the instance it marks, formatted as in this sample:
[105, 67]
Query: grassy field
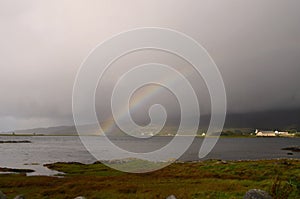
[208, 179]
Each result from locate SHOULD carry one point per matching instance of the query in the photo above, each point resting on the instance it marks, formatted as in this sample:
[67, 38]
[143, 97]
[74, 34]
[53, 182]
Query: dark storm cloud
[256, 45]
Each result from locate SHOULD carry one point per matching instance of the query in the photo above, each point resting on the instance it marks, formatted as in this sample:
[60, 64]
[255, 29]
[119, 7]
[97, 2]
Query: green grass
[208, 179]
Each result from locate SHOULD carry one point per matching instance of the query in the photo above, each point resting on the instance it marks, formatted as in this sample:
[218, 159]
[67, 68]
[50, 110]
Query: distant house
[265, 133]
[282, 133]
[259, 133]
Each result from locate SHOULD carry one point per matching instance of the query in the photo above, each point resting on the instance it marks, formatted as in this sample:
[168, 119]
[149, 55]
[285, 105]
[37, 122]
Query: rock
[293, 148]
[2, 196]
[257, 194]
[171, 197]
[80, 197]
[224, 162]
[20, 197]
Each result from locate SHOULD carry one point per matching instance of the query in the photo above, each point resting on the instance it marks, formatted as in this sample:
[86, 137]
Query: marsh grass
[208, 179]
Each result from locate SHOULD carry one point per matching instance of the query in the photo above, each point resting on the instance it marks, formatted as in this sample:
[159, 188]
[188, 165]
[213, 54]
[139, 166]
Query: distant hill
[58, 130]
[280, 119]
[270, 120]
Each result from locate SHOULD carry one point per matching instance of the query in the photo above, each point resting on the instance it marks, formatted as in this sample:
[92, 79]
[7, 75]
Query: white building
[265, 133]
[259, 133]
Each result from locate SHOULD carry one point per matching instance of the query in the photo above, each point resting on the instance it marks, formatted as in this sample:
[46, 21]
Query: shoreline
[26, 171]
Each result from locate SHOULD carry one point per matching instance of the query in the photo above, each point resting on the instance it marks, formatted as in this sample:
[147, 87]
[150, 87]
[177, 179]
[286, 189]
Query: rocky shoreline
[12, 170]
[293, 149]
[14, 141]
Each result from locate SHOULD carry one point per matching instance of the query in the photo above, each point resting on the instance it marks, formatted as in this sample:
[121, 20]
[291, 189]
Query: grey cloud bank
[256, 45]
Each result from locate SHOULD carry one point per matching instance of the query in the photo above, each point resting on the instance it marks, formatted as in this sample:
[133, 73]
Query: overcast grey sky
[255, 43]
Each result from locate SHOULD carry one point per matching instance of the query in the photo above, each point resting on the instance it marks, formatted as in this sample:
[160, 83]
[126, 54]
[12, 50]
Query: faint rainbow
[142, 97]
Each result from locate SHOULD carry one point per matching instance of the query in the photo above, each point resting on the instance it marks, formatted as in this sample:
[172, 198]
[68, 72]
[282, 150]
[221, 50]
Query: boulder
[80, 197]
[171, 197]
[257, 194]
[20, 197]
[2, 196]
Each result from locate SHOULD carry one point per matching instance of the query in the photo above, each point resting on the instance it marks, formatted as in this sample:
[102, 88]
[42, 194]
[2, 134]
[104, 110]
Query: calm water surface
[50, 149]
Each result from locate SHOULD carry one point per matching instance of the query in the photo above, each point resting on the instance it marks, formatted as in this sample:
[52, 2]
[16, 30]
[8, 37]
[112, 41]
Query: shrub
[281, 189]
